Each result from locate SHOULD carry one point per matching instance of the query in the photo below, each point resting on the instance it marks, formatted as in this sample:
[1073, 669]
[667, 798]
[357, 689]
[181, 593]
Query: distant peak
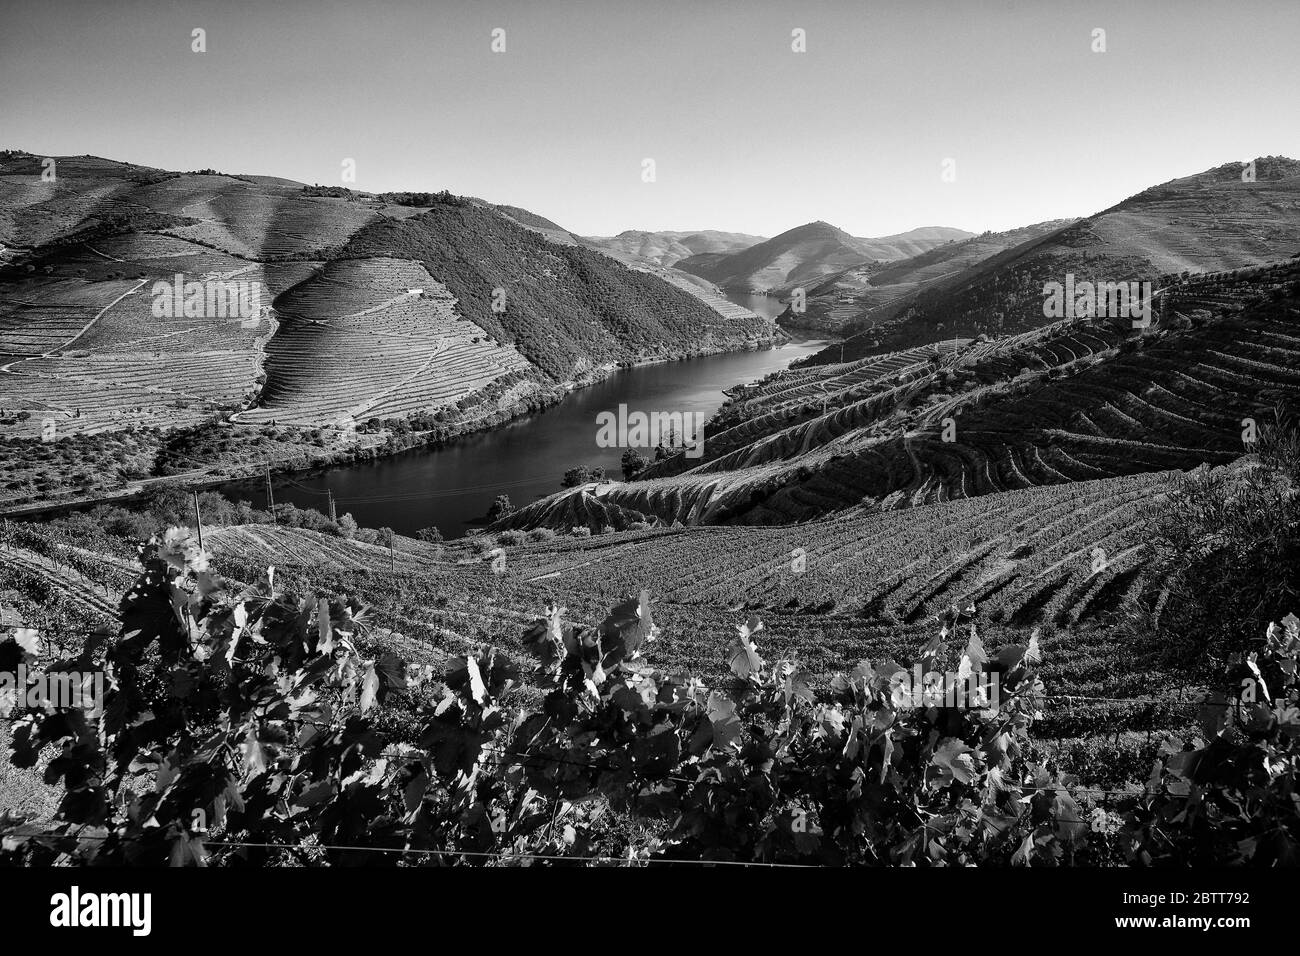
[819, 227]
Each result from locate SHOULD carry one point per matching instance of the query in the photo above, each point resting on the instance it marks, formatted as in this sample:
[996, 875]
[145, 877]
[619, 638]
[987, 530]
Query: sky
[745, 133]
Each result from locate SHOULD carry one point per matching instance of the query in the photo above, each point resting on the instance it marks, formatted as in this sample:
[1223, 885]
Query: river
[452, 487]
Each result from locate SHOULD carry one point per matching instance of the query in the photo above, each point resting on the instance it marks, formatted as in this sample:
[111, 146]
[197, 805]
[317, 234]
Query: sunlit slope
[1064, 553]
[373, 338]
[1076, 401]
[806, 253]
[848, 299]
[638, 247]
[512, 307]
[1209, 222]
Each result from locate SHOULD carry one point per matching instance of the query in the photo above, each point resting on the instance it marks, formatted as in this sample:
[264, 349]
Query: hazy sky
[746, 134]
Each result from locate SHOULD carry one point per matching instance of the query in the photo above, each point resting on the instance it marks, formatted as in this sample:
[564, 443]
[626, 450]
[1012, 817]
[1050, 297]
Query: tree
[633, 463]
[347, 526]
[431, 534]
[500, 508]
[581, 475]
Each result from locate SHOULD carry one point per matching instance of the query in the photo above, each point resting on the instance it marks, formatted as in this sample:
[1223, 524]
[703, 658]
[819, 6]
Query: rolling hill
[1209, 222]
[637, 247]
[848, 299]
[802, 255]
[363, 306]
[1079, 400]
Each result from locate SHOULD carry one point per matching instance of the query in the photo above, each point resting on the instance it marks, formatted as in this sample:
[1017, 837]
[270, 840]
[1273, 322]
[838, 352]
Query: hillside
[94, 241]
[1078, 400]
[1208, 222]
[801, 255]
[568, 310]
[666, 248]
[443, 313]
[848, 299]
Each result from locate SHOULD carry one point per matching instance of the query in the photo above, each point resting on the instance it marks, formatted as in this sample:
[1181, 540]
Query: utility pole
[270, 496]
[198, 519]
[333, 515]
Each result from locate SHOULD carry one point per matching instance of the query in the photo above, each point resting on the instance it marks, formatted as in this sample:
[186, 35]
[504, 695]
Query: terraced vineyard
[705, 291]
[849, 299]
[1073, 401]
[1064, 551]
[254, 222]
[832, 592]
[373, 338]
[1211, 222]
[349, 313]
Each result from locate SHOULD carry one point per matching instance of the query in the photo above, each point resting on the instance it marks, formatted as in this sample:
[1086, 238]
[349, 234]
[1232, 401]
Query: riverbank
[452, 485]
[247, 451]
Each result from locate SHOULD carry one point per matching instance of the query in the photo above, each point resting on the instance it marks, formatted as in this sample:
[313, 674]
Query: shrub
[1226, 547]
[582, 475]
[540, 534]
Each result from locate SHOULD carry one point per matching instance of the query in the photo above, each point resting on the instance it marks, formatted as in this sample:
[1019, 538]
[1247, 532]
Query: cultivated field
[1074, 401]
[357, 341]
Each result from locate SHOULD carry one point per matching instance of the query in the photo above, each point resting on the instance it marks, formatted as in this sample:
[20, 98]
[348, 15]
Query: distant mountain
[637, 247]
[849, 298]
[802, 255]
[1216, 220]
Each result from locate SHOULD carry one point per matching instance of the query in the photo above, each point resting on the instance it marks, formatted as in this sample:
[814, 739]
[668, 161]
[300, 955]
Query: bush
[511, 537]
[1226, 547]
[540, 534]
[582, 475]
[581, 532]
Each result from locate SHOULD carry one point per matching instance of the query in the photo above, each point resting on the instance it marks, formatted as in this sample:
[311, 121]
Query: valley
[372, 323]
[998, 466]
